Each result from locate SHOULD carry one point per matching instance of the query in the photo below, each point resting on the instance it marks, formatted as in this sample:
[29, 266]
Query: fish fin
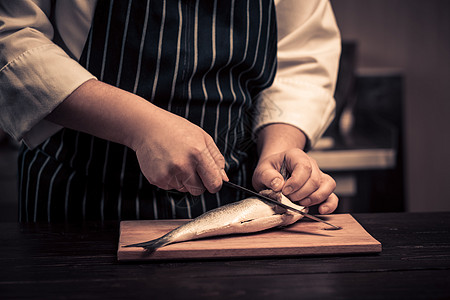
[151, 246]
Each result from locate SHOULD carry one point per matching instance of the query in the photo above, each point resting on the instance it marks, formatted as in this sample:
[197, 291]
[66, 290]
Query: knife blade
[265, 198]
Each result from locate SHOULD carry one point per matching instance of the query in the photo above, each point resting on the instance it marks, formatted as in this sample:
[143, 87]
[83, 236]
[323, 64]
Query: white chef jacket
[40, 47]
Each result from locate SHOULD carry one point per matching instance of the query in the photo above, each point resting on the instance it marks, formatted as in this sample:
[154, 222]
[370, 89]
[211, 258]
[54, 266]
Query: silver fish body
[245, 216]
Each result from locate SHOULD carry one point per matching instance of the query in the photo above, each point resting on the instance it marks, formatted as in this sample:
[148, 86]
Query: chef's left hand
[307, 183]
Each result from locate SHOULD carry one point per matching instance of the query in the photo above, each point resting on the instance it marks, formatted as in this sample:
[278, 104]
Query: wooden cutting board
[302, 238]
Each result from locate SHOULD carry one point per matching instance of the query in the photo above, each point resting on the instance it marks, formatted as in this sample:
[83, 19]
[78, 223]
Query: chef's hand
[172, 152]
[176, 154]
[307, 183]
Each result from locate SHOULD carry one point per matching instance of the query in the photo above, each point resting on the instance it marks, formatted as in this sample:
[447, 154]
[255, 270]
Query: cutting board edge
[140, 255]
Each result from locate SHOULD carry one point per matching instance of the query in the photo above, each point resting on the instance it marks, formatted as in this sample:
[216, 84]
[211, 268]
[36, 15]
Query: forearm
[172, 152]
[279, 137]
[106, 112]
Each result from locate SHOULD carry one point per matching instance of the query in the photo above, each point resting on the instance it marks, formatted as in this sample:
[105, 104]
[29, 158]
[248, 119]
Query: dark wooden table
[79, 262]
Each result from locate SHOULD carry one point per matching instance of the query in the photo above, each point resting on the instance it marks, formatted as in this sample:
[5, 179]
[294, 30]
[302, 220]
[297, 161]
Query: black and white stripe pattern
[201, 59]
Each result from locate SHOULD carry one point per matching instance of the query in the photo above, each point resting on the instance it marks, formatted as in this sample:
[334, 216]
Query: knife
[265, 198]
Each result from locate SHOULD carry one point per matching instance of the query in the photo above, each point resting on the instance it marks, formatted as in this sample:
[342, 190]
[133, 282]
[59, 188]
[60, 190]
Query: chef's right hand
[172, 152]
[177, 154]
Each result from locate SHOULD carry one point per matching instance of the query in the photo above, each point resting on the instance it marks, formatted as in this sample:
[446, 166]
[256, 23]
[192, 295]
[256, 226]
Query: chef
[140, 109]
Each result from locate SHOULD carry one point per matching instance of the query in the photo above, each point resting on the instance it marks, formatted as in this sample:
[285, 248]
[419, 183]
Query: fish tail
[152, 245]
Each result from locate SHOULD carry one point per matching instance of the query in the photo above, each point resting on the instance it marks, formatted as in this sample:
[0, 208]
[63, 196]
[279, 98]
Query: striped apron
[203, 60]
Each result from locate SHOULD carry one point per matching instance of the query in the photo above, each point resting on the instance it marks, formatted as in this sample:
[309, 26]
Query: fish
[245, 216]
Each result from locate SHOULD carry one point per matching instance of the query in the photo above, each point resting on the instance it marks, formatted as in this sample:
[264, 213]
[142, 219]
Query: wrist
[279, 137]
[146, 125]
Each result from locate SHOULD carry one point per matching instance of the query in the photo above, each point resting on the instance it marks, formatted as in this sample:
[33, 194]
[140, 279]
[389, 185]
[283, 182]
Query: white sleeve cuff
[306, 106]
[33, 85]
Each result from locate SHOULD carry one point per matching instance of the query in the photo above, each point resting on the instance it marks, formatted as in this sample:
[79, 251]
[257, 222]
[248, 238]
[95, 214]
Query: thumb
[267, 177]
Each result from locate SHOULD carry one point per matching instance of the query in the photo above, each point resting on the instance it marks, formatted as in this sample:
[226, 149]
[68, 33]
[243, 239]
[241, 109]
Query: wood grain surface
[302, 238]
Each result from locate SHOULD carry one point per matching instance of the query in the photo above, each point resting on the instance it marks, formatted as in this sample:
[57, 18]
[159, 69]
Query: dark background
[414, 37]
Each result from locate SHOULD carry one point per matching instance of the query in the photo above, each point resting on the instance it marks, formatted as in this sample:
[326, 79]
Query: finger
[172, 181]
[184, 181]
[326, 188]
[268, 178]
[301, 169]
[182, 189]
[194, 185]
[310, 186]
[329, 205]
[217, 156]
[266, 175]
[307, 189]
[215, 152]
[209, 173]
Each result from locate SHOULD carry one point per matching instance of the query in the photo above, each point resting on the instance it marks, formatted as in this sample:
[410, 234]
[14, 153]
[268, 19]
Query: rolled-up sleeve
[36, 75]
[309, 47]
